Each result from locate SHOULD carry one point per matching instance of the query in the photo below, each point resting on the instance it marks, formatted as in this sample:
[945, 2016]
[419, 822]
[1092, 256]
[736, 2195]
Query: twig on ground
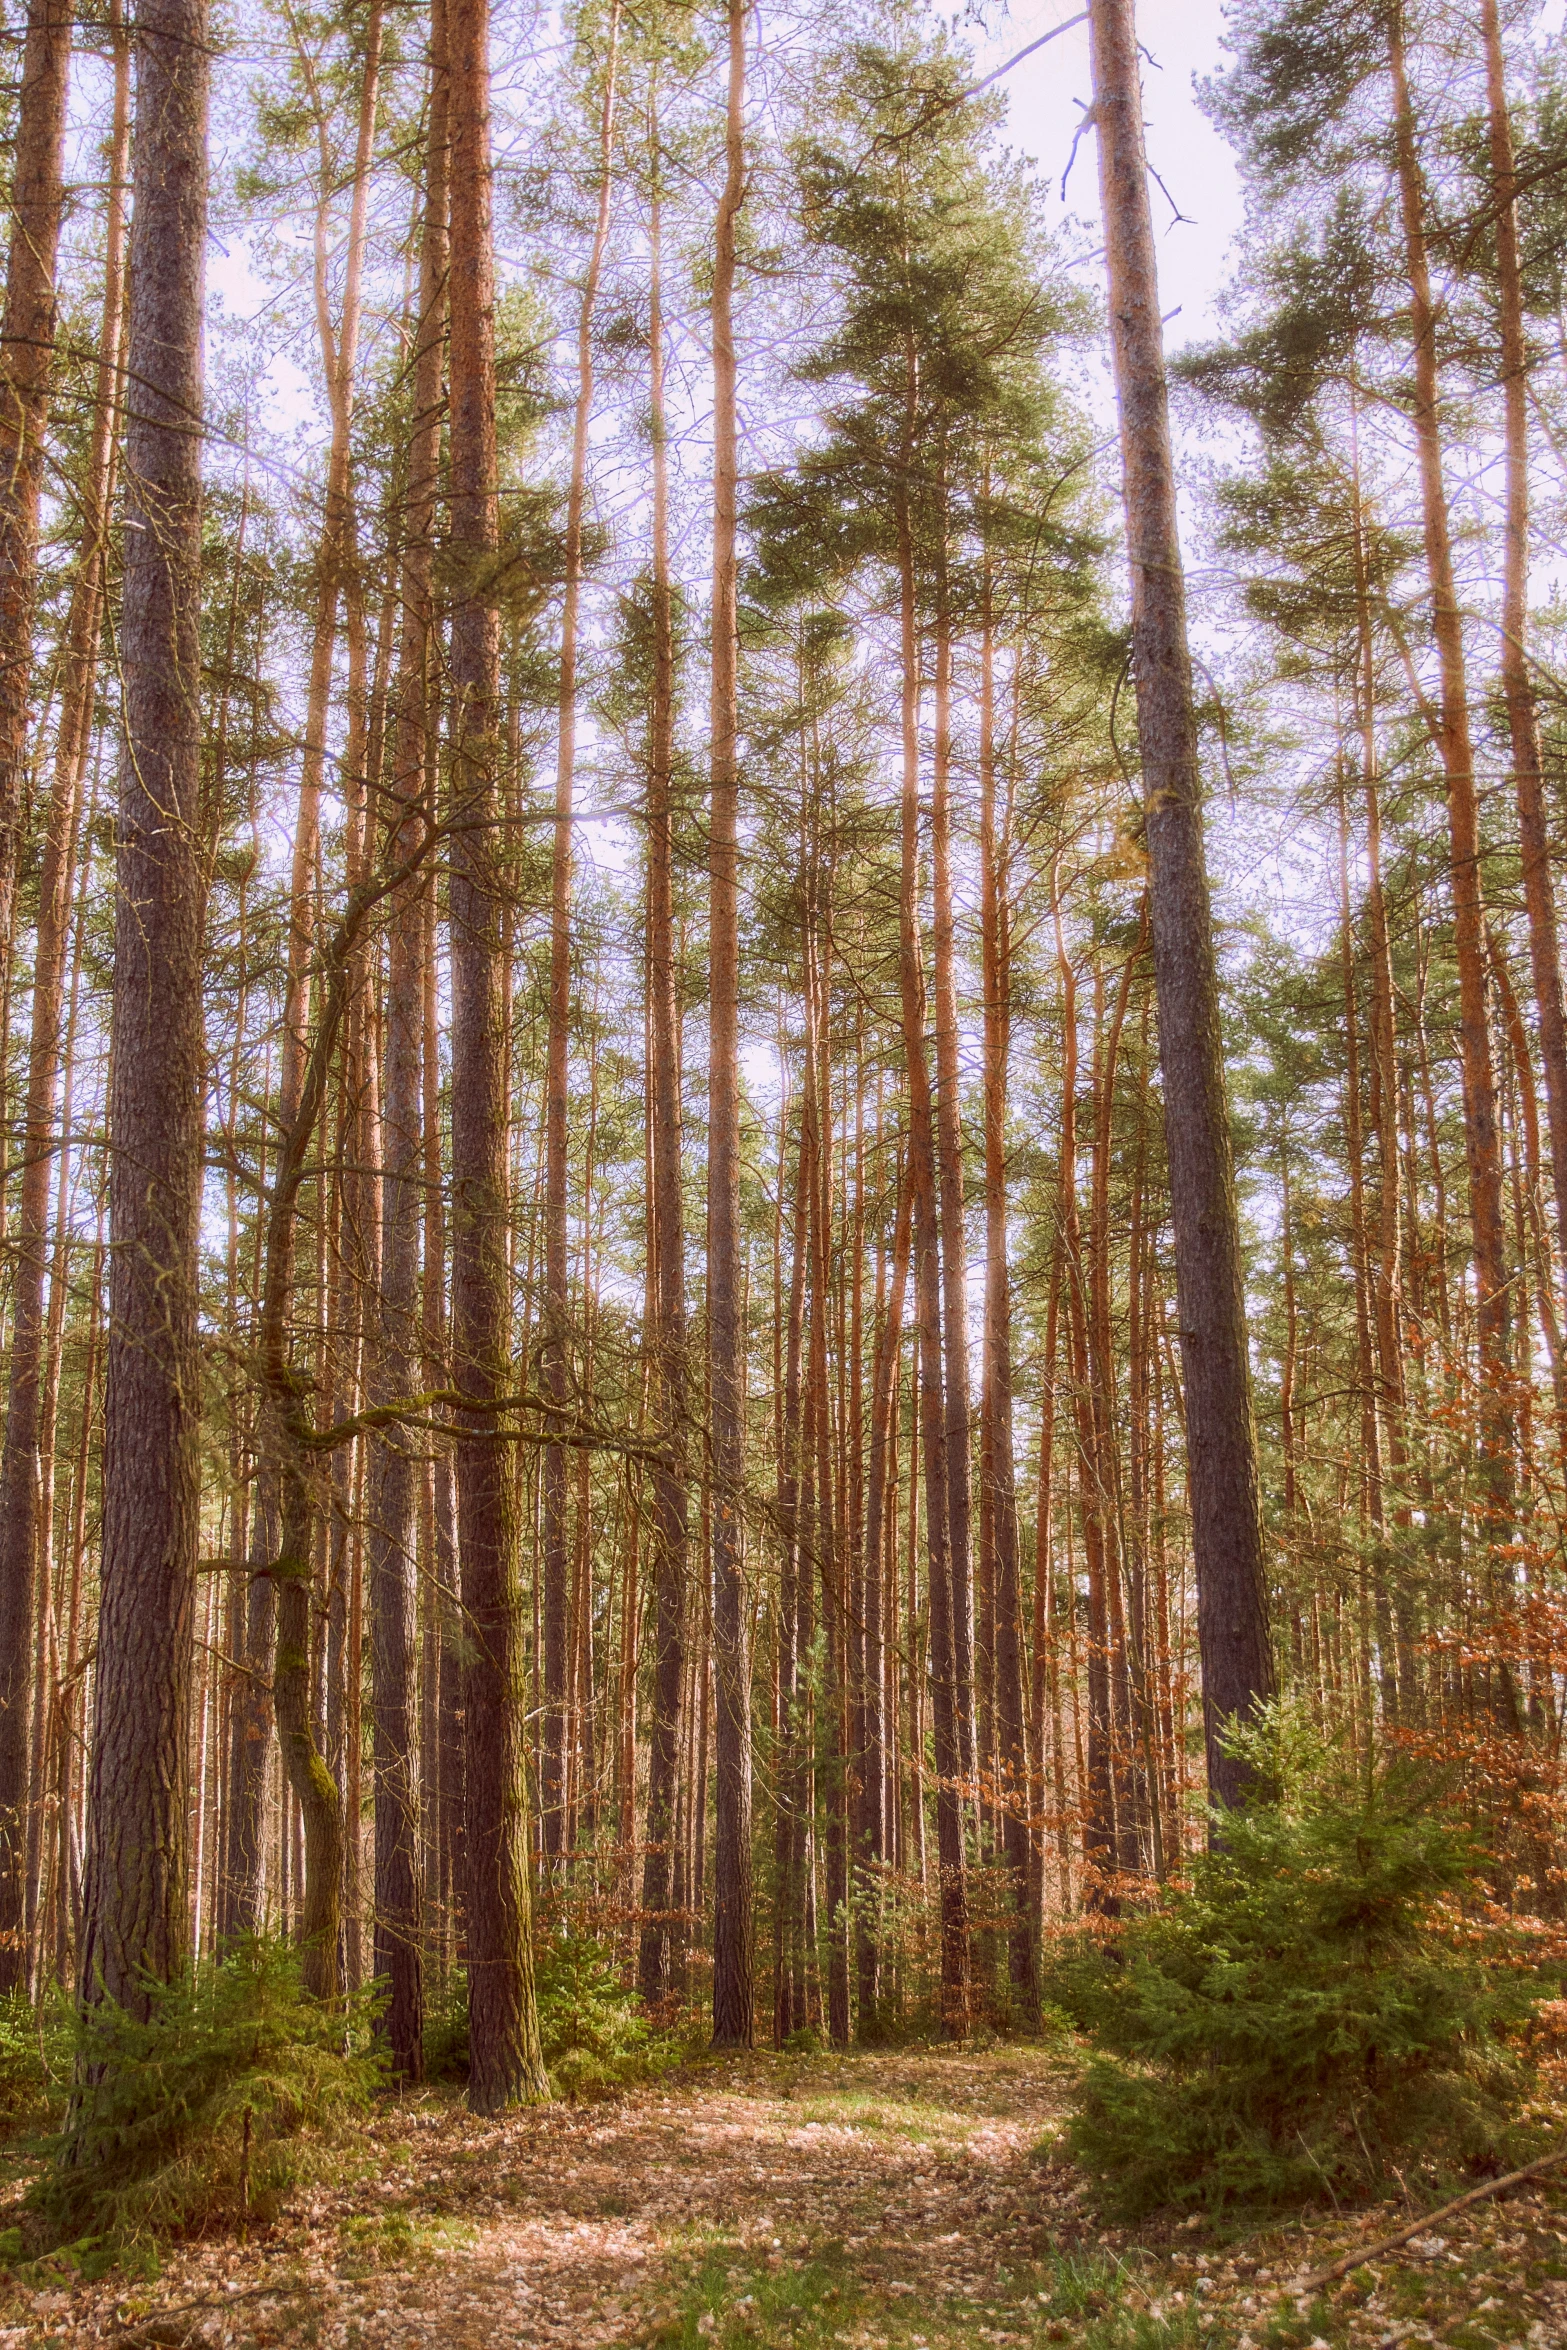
[1417, 2227]
[138, 2327]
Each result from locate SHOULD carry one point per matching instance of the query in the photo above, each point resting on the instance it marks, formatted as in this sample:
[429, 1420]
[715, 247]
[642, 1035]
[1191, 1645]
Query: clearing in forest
[886, 2201]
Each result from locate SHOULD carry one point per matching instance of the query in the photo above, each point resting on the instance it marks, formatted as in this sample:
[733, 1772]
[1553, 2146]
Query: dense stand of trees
[662, 1269]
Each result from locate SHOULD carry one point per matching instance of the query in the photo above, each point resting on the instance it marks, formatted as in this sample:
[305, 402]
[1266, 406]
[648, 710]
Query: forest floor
[886, 2201]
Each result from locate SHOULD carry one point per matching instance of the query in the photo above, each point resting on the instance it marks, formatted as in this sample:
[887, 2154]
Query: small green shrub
[37, 2045]
[1302, 2018]
[596, 2036]
[211, 2108]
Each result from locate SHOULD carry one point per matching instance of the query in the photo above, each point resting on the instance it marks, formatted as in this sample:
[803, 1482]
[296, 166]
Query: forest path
[814, 2185]
[879, 2201]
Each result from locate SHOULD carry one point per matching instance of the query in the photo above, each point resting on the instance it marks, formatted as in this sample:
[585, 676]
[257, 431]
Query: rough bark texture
[21, 1467]
[1232, 1610]
[733, 1921]
[135, 1905]
[393, 1529]
[506, 2065]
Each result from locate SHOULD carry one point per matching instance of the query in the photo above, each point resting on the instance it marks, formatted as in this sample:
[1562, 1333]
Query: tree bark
[26, 366]
[1517, 683]
[554, 1363]
[136, 1915]
[1482, 1142]
[1221, 1446]
[733, 1906]
[668, 1222]
[997, 1466]
[954, 1236]
[927, 1301]
[393, 1530]
[505, 2059]
[21, 1521]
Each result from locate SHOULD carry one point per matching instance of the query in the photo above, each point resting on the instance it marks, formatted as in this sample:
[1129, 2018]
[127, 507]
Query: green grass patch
[398, 2239]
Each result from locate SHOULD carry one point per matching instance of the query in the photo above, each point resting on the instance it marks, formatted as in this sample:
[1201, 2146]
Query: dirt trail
[916, 2172]
[877, 2201]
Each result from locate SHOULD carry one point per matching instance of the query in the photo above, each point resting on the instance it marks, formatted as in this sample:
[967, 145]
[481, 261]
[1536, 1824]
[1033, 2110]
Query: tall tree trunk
[26, 365]
[135, 1910]
[927, 1294]
[1221, 1445]
[393, 1530]
[21, 1529]
[668, 1221]
[949, 1155]
[733, 1909]
[1517, 683]
[556, 1381]
[997, 1467]
[506, 2062]
[1482, 1142]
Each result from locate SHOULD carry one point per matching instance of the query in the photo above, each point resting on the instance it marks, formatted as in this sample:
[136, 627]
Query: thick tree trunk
[136, 1916]
[506, 2064]
[22, 1522]
[1222, 1482]
[393, 1529]
[733, 1908]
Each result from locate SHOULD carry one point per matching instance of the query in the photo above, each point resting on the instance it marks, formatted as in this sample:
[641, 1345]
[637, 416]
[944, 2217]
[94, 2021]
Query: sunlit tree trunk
[21, 1527]
[557, 1712]
[733, 1918]
[135, 1907]
[393, 1514]
[1222, 1477]
[506, 2063]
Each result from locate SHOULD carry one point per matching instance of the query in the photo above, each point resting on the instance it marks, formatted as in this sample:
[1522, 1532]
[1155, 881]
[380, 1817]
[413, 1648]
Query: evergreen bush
[37, 2044]
[213, 2106]
[595, 2033]
[1304, 2017]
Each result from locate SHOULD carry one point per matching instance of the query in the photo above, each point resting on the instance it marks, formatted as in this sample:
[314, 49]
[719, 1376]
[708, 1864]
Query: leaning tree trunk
[136, 1919]
[393, 1529]
[1221, 1444]
[733, 1919]
[20, 1470]
[506, 2065]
